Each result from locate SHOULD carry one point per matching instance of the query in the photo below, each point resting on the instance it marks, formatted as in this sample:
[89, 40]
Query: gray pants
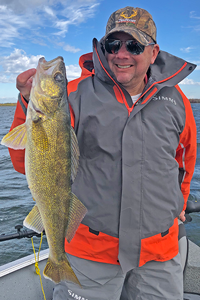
[153, 281]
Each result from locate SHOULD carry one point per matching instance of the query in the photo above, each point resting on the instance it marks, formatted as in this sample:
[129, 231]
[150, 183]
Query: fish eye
[58, 76]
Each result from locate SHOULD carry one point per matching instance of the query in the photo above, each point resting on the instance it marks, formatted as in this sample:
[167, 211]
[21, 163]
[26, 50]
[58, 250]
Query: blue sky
[34, 28]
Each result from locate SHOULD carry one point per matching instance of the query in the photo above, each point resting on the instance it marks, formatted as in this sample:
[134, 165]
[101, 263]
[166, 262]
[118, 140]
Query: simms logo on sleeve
[75, 296]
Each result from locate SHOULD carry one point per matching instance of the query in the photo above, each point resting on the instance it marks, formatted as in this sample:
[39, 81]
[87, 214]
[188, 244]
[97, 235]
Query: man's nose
[122, 52]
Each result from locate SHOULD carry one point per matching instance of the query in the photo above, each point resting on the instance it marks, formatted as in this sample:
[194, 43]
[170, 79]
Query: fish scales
[51, 162]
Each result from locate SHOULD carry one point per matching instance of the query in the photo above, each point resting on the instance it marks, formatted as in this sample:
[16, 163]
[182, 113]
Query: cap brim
[140, 36]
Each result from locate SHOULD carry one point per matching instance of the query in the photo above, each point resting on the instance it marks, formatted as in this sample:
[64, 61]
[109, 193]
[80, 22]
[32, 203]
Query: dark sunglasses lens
[134, 47]
[112, 46]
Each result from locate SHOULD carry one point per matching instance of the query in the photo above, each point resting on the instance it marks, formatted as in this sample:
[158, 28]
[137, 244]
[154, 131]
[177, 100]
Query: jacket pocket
[160, 247]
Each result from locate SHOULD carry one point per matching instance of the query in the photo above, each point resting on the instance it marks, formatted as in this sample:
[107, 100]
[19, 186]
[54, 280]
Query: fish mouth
[46, 68]
[45, 87]
[49, 64]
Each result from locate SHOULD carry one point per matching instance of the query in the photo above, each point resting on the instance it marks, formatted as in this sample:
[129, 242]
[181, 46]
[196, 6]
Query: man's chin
[123, 80]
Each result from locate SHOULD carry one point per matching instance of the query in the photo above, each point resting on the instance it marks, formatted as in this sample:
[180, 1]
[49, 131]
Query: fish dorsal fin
[77, 212]
[16, 139]
[74, 155]
[34, 221]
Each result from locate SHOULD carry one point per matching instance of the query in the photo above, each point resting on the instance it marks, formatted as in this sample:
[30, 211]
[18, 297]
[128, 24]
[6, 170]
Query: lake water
[16, 201]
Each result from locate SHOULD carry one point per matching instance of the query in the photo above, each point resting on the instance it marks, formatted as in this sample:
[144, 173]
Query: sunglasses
[112, 46]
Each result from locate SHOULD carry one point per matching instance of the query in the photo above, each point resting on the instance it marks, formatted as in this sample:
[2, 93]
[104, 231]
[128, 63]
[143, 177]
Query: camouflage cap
[134, 21]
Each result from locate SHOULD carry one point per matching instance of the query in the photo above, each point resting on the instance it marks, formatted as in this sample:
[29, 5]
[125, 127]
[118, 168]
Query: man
[137, 139]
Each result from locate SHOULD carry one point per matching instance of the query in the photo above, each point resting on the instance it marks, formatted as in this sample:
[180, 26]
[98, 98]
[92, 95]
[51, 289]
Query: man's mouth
[123, 67]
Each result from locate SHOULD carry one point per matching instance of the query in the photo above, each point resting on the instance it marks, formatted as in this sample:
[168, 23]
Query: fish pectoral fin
[34, 221]
[77, 212]
[16, 139]
[74, 155]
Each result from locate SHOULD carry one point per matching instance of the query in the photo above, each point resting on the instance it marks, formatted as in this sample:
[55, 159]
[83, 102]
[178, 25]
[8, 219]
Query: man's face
[130, 69]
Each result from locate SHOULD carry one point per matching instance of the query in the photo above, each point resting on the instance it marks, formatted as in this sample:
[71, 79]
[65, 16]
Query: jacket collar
[167, 70]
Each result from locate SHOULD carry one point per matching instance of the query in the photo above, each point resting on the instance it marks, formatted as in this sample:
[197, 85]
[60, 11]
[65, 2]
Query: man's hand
[24, 82]
[182, 216]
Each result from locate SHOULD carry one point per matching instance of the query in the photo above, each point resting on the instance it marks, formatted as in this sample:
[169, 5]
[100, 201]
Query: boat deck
[18, 279]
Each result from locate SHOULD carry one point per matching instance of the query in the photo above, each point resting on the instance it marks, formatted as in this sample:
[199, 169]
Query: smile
[124, 67]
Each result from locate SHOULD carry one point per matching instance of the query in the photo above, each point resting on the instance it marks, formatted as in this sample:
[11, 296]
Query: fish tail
[61, 271]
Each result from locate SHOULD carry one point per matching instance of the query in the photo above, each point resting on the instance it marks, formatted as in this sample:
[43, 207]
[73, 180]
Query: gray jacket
[128, 176]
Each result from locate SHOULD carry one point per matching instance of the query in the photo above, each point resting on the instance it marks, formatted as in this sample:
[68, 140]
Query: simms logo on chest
[162, 98]
[75, 296]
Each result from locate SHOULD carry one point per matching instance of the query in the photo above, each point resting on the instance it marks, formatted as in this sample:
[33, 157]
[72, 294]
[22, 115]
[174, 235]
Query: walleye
[51, 163]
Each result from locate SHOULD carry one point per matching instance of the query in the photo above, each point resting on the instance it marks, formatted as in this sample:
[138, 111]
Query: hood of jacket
[167, 70]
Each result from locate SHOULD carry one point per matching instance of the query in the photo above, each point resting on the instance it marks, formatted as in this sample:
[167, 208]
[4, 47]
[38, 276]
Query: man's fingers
[23, 78]
[24, 82]
[182, 216]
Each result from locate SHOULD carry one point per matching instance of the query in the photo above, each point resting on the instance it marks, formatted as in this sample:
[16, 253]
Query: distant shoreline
[8, 104]
[194, 100]
[14, 104]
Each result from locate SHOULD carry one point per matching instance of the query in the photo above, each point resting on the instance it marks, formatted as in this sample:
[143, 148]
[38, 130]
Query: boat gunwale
[22, 263]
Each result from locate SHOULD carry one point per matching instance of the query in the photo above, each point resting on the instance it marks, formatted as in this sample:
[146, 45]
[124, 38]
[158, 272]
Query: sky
[34, 28]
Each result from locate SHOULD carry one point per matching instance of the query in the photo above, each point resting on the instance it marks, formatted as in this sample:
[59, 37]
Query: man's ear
[156, 50]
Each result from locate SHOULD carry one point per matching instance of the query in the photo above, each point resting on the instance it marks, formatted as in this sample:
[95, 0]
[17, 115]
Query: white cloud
[18, 61]
[19, 6]
[49, 11]
[10, 24]
[187, 50]
[75, 14]
[56, 15]
[71, 49]
[187, 81]
[39, 41]
[68, 48]
[73, 72]
[194, 16]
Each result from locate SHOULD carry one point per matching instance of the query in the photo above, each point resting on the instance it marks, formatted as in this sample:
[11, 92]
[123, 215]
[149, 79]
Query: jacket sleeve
[17, 156]
[186, 151]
